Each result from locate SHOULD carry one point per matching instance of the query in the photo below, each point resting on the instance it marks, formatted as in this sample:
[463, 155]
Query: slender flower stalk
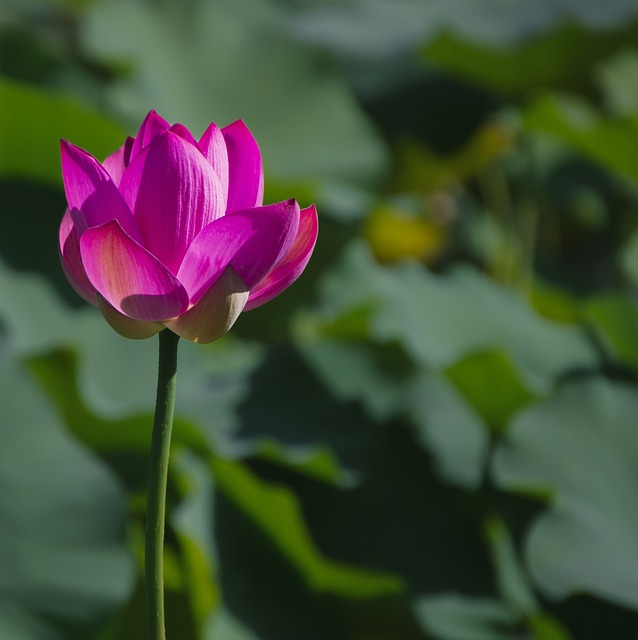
[157, 479]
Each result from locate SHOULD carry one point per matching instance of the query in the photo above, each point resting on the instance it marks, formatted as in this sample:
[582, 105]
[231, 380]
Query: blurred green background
[434, 432]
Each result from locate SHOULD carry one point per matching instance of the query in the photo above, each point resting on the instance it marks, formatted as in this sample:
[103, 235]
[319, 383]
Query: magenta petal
[290, 267]
[251, 241]
[89, 188]
[246, 172]
[71, 259]
[118, 161]
[183, 132]
[215, 312]
[125, 326]
[153, 126]
[173, 193]
[213, 148]
[129, 277]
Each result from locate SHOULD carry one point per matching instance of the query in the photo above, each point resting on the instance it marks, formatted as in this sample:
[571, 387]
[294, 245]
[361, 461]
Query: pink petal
[125, 326]
[153, 126]
[129, 277]
[213, 148]
[251, 241]
[118, 161]
[173, 193]
[290, 267]
[89, 188]
[71, 259]
[183, 132]
[246, 172]
[216, 311]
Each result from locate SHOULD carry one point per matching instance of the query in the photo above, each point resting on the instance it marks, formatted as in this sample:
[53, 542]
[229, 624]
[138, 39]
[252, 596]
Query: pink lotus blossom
[172, 232]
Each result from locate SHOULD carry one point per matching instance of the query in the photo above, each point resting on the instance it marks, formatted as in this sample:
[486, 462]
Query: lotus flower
[171, 232]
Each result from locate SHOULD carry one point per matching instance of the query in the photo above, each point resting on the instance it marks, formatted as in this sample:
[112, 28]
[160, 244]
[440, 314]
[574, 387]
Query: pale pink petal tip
[125, 326]
[216, 311]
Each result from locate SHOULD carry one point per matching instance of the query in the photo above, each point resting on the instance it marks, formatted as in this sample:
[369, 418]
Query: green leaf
[441, 319]
[616, 78]
[513, 584]
[354, 370]
[62, 548]
[32, 123]
[563, 57]
[457, 617]
[450, 429]
[274, 509]
[609, 141]
[491, 384]
[615, 319]
[582, 446]
[192, 520]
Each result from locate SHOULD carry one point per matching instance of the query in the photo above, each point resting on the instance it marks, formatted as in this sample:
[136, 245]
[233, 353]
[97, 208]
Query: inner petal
[174, 193]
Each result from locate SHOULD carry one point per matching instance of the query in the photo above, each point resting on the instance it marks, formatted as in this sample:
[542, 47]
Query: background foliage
[433, 433]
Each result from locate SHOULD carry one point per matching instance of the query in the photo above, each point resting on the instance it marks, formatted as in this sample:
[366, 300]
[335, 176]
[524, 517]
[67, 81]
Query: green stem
[157, 478]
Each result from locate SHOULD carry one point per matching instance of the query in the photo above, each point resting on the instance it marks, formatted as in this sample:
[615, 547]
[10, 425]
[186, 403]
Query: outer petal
[71, 259]
[173, 193]
[118, 161]
[153, 126]
[213, 148]
[290, 267]
[246, 172]
[216, 311]
[89, 189]
[251, 241]
[129, 277]
[125, 326]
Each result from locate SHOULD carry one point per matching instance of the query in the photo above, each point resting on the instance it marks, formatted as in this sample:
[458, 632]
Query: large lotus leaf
[376, 28]
[561, 58]
[447, 426]
[440, 319]
[63, 558]
[450, 429]
[352, 370]
[34, 120]
[234, 59]
[580, 446]
[609, 141]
